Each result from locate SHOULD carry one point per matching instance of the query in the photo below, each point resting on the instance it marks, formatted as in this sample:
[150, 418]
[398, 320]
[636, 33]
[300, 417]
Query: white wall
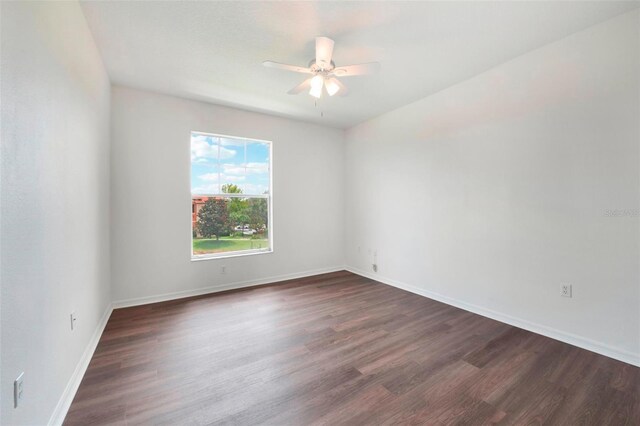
[151, 201]
[491, 193]
[55, 200]
[488, 194]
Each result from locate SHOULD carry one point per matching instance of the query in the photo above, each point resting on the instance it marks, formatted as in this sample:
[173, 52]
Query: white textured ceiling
[213, 51]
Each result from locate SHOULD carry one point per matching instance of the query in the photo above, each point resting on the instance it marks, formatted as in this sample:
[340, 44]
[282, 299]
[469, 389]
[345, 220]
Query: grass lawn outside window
[228, 244]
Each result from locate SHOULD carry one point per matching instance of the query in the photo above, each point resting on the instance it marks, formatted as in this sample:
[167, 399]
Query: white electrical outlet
[375, 267]
[223, 269]
[73, 318]
[565, 290]
[18, 390]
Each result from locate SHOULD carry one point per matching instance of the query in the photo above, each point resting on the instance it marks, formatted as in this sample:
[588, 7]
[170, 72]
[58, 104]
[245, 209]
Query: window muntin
[230, 196]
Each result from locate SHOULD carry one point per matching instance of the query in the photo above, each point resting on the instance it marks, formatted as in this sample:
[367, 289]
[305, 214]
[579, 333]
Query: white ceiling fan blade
[360, 69]
[300, 87]
[286, 67]
[324, 51]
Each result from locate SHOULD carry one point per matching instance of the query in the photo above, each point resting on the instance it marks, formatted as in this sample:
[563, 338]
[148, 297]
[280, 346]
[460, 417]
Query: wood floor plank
[340, 349]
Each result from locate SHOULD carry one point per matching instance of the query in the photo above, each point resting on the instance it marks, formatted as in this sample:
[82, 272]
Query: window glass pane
[205, 179]
[204, 149]
[256, 181]
[224, 224]
[233, 174]
[232, 150]
[223, 166]
[258, 154]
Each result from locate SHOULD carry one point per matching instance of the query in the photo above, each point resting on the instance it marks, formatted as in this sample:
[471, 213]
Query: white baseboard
[214, 289]
[69, 393]
[60, 412]
[572, 339]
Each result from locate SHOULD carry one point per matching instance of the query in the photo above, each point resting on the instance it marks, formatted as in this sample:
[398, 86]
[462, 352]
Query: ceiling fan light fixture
[316, 92]
[317, 81]
[323, 71]
[316, 86]
[332, 86]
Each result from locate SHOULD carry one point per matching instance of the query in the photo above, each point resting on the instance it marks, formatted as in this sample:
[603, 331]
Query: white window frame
[268, 197]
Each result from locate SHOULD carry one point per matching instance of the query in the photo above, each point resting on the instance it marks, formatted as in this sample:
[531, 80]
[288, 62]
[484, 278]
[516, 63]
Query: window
[230, 196]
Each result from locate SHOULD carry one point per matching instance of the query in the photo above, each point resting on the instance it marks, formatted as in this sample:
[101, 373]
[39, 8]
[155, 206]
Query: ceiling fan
[324, 72]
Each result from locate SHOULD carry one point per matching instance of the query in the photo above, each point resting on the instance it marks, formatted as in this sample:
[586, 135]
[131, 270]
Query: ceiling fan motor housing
[319, 68]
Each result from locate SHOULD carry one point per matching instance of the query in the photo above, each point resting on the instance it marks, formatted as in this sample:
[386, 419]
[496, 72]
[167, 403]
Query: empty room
[319, 213]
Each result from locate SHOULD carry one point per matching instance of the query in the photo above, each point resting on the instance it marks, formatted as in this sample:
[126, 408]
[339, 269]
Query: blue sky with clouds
[216, 161]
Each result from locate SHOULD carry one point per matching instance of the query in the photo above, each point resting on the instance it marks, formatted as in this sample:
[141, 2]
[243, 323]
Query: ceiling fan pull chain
[315, 103]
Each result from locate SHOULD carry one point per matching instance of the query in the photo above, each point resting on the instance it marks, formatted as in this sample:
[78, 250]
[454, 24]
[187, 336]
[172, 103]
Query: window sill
[213, 256]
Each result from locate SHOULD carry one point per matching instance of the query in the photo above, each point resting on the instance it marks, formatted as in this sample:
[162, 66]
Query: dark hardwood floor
[341, 349]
